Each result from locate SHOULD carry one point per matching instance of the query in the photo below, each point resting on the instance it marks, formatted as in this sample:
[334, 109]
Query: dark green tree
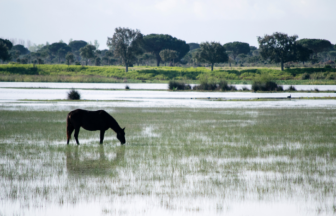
[154, 43]
[108, 56]
[8, 44]
[75, 47]
[23, 50]
[237, 48]
[193, 46]
[59, 49]
[98, 61]
[212, 52]
[303, 53]
[14, 54]
[69, 58]
[332, 54]
[252, 48]
[278, 47]
[87, 52]
[126, 44]
[77, 44]
[317, 45]
[4, 54]
[168, 55]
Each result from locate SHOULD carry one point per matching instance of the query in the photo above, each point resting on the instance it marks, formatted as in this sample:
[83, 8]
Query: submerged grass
[171, 154]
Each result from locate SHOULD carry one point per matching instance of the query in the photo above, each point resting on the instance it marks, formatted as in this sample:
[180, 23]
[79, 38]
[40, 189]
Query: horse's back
[89, 120]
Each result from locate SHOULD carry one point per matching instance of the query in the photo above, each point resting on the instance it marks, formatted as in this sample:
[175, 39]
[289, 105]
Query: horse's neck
[115, 126]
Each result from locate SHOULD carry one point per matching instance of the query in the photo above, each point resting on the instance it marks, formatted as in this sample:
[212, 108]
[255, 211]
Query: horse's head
[121, 136]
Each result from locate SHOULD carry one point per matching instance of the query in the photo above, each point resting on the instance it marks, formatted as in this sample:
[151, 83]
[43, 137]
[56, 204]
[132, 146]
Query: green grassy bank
[111, 74]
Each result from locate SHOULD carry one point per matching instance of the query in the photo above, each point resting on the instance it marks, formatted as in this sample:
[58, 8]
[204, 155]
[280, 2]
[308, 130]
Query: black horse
[92, 121]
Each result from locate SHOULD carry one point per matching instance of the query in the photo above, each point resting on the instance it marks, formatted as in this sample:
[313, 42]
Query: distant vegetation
[78, 73]
[137, 57]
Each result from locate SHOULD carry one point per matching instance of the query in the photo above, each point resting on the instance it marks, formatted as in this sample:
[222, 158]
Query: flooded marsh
[181, 161]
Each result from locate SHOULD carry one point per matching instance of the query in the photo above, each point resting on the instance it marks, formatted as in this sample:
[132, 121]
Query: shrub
[178, 85]
[264, 83]
[305, 76]
[127, 87]
[73, 95]
[245, 89]
[291, 88]
[223, 85]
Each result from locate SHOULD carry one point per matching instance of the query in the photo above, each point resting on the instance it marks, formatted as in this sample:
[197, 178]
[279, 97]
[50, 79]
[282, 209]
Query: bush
[264, 83]
[127, 87]
[178, 85]
[73, 95]
[223, 85]
[245, 89]
[305, 76]
[291, 88]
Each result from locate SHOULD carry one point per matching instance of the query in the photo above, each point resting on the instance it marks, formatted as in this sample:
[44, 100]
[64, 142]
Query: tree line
[128, 47]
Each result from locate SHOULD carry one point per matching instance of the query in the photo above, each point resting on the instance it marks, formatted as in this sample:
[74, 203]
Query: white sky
[190, 20]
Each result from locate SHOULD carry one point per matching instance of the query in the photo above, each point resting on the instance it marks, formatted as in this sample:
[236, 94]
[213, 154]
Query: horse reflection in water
[85, 165]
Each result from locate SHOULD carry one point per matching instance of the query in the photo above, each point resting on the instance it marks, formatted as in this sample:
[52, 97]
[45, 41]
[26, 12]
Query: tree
[316, 45]
[59, 49]
[332, 54]
[108, 56]
[212, 52]
[8, 43]
[154, 43]
[126, 44]
[237, 48]
[168, 55]
[23, 50]
[14, 54]
[96, 44]
[278, 47]
[193, 46]
[98, 61]
[87, 52]
[4, 54]
[303, 53]
[69, 58]
[77, 44]
[252, 48]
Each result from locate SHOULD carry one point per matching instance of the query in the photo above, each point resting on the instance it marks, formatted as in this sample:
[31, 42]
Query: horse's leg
[76, 134]
[70, 129]
[102, 133]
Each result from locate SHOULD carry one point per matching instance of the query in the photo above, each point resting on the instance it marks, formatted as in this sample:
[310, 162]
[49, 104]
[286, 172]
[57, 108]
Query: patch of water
[150, 205]
[153, 86]
[161, 103]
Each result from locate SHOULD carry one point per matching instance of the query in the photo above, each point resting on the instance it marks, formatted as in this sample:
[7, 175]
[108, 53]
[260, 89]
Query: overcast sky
[191, 20]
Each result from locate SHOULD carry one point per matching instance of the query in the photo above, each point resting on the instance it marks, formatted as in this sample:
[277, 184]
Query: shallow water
[54, 94]
[176, 162]
[153, 86]
[9, 99]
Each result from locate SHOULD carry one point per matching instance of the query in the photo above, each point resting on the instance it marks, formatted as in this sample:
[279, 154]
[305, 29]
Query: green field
[112, 74]
[176, 156]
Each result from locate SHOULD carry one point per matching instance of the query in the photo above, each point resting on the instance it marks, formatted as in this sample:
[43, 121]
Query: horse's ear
[124, 128]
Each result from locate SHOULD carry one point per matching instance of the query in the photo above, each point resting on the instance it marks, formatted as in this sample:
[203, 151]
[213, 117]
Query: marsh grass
[172, 154]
